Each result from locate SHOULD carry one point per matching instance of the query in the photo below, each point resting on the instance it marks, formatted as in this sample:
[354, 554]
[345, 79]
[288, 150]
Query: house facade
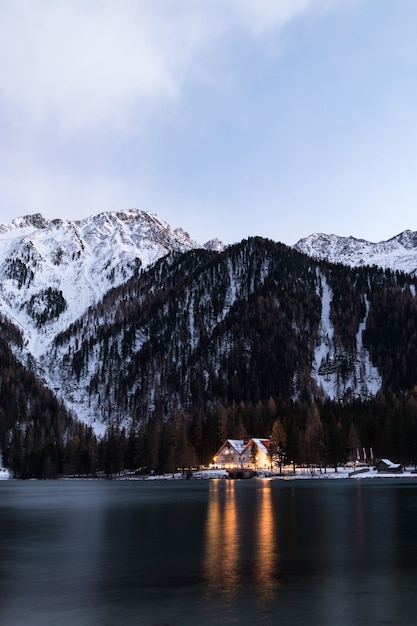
[243, 454]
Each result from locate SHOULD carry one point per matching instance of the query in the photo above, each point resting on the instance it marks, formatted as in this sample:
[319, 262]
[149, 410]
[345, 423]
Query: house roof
[263, 444]
[240, 445]
[389, 463]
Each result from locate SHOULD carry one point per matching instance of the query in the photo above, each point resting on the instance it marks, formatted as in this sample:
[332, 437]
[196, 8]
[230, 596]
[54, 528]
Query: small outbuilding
[388, 467]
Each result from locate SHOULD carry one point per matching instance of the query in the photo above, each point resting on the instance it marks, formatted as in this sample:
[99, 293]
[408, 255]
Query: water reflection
[227, 557]
[221, 563]
[266, 542]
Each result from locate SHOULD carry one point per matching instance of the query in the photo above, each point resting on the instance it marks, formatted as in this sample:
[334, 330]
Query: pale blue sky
[229, 118]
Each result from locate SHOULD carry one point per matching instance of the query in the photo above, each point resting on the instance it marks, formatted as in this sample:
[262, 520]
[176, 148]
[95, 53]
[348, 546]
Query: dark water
[208, 553]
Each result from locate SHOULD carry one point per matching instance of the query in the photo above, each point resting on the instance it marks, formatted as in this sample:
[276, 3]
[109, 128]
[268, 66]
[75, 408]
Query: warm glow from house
[239, 454]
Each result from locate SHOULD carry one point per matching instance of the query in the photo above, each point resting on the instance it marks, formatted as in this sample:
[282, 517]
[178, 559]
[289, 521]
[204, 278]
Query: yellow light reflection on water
[266, 541]
[224, 549]
[221, 562]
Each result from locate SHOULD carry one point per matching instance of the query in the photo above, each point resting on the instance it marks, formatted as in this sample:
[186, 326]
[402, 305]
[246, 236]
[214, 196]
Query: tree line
[52, 444]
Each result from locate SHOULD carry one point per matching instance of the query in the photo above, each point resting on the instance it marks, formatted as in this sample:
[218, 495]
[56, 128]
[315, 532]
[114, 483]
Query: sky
[228, 118]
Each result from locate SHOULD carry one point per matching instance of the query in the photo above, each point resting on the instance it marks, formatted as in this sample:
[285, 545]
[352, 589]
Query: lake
[208, 552]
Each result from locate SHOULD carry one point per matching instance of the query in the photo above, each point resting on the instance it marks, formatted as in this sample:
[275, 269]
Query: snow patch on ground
[4, 473]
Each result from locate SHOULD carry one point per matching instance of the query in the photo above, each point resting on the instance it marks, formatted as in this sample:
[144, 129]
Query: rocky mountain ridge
[398, 253]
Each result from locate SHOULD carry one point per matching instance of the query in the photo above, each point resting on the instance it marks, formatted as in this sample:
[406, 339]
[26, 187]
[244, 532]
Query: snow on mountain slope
[398, 253]
[52, 271]
[363, 380]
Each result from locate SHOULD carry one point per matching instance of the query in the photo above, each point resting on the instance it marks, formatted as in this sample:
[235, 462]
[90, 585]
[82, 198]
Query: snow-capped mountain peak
[51, 271]
[215, 245]
[398, 253]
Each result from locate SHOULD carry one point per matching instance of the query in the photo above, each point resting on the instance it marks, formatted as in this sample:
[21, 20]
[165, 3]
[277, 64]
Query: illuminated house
[243, 453]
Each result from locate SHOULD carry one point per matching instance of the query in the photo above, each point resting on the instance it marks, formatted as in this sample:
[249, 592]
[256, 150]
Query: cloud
[82, 64]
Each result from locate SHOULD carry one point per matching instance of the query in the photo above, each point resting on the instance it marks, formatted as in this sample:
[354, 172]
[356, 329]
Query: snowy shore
[287, 474]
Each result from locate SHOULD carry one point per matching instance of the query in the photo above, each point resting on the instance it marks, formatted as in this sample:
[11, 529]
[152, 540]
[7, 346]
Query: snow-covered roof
[389, 463]
[238, 444]
[261, 443]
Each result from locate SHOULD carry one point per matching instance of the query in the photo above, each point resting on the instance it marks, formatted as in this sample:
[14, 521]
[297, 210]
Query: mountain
[126, 344]
[52, 271]
[398, 253]
[255, 321]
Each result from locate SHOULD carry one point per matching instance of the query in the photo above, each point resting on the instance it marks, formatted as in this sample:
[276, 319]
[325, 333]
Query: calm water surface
[211, 552]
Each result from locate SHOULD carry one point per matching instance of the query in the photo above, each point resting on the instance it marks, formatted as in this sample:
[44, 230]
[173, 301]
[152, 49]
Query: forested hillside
[38, 436]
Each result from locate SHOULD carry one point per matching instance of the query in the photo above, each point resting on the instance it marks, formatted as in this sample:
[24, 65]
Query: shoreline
[342, 473]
